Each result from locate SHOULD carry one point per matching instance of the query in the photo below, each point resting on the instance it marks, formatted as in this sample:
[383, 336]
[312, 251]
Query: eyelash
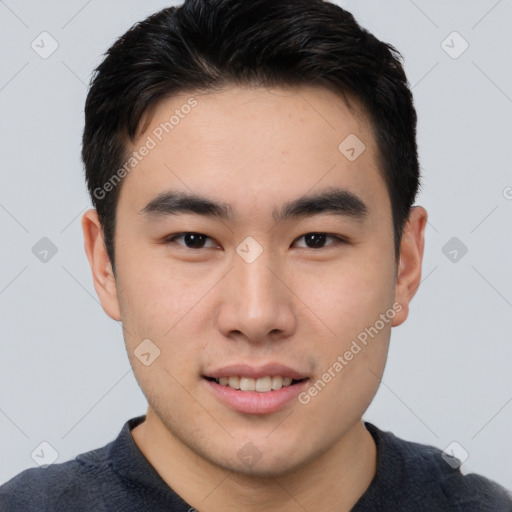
[338, 239]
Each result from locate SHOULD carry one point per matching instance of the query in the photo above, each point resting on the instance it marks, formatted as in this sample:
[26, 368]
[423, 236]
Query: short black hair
[205, 45]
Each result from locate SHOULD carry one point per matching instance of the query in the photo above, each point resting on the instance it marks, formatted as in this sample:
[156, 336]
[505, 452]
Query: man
[253, 168]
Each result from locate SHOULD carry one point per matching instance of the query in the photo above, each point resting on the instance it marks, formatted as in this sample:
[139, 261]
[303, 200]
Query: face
[258, 286]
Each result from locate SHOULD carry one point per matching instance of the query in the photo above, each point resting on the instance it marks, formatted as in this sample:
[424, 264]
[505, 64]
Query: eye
[191, 240]
[317, 240]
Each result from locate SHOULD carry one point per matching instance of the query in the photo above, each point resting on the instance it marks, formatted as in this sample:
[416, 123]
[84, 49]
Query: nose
[256, 303]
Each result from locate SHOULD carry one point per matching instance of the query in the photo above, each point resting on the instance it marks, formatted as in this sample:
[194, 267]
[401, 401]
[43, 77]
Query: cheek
[154, 297]
[347, 296]
[353, 353]
[351, 304]
[162, 305]
[156, 308]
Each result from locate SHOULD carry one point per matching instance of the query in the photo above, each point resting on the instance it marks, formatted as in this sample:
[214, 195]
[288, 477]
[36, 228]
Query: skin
[256, 149]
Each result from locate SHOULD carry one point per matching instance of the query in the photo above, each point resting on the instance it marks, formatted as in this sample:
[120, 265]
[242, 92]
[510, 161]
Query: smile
[261, 385]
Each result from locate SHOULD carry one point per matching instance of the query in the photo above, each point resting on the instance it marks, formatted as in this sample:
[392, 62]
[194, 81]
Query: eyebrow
[336, 201]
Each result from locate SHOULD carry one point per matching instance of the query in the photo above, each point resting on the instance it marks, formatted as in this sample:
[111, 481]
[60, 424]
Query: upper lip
[256, 372]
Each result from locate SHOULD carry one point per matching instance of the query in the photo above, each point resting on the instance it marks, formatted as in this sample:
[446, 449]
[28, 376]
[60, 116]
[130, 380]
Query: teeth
[277, 382]
[247, 384]
[262, 385]
[234, 382]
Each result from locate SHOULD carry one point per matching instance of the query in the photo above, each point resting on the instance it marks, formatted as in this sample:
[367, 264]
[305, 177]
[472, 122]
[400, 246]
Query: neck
[334, 481]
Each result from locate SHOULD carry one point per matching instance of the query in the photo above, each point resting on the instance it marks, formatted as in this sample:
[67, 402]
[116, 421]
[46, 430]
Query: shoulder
[73, 485]
[442, 476]
[427, 475]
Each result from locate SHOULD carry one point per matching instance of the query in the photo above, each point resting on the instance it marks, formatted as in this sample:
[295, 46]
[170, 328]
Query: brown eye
[317, 240]
[190, 240]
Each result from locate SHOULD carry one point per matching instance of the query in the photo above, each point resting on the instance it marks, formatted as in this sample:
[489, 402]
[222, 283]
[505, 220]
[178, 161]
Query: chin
[264, 459]
[263, 468]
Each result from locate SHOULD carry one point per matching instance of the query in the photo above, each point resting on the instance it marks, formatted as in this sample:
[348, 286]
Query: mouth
[252, 390]
[267, 384]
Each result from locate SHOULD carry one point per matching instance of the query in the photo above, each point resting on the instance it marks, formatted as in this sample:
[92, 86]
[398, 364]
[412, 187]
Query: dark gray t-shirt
[118, 477]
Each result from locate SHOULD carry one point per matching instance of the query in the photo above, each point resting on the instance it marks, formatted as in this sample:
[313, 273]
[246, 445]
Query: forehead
[315, 110]
[265, 143]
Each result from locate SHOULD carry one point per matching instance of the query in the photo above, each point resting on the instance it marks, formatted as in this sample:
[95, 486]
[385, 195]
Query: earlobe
[411, 258]
[102, 274]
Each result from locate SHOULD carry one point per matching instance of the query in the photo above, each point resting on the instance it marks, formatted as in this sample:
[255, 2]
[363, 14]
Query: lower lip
[253, 402]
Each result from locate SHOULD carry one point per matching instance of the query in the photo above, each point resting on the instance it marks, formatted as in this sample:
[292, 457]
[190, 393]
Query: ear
[103, 276]
[411, 258]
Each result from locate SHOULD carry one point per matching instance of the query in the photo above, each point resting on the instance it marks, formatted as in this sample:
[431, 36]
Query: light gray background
[64, 373]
